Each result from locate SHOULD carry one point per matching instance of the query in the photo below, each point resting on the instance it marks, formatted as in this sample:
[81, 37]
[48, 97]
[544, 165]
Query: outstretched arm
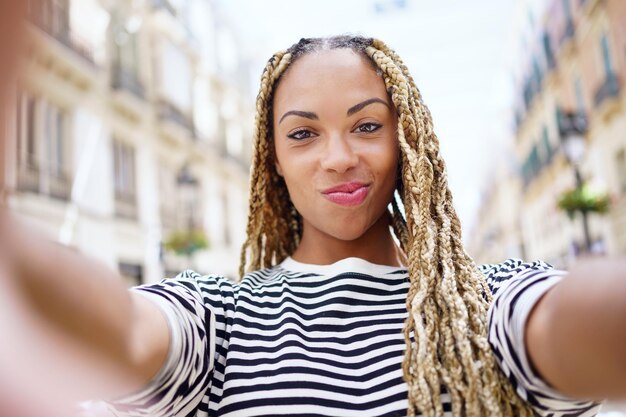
[576, 333]
[83, 304]
[64, 320]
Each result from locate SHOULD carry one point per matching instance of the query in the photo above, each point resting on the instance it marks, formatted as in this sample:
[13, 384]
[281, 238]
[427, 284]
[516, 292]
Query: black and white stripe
[300, 339]
[515, 296]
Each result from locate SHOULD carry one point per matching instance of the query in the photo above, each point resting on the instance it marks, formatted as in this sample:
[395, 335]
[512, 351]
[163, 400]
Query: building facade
[571, 60]
[127, 132]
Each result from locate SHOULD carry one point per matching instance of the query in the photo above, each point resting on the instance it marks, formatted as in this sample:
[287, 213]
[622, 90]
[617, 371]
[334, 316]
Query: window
[132, 274]
[580, 98]
[547, 50]
[127, 52]
[567, 11]
[547, 146]
[55, 137]
[534, 162]
[124, 180]
[55, 152]
[125, 65]
[51, 15]
[26, 143]
[606, 55]
[537, 74]
[176, 77]
[620, 164]
[42, 148]
[126, 49]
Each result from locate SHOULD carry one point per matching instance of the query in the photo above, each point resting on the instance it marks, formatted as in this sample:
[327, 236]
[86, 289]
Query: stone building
[570, 60]
[129, 128]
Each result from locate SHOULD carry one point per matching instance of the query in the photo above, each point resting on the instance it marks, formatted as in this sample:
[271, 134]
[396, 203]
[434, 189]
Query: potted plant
[584, 199]
[186, 242]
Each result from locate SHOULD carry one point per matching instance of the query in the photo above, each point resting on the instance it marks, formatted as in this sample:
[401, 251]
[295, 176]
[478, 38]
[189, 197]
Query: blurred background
[134, 121]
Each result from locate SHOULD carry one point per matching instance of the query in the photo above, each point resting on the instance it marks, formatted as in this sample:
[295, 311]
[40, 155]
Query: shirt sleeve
[517, 287]
[182, 381]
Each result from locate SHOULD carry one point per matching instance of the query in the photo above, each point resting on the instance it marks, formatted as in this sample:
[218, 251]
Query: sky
[457, 52]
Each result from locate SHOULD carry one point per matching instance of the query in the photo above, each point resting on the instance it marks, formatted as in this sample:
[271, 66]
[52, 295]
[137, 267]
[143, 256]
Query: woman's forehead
[329, 75]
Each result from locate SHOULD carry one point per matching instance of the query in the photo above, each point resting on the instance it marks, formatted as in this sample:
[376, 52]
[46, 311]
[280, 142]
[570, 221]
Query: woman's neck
[376, 245]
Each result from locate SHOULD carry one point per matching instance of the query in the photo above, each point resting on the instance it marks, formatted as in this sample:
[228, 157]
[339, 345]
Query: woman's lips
[353, 198]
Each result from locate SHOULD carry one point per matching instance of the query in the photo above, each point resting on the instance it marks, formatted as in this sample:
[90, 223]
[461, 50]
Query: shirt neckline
[350, 264]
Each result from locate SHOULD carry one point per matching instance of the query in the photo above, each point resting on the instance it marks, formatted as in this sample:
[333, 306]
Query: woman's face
[335, 141]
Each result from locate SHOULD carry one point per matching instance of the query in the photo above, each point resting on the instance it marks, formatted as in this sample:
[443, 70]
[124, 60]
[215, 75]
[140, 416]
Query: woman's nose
[339, 156]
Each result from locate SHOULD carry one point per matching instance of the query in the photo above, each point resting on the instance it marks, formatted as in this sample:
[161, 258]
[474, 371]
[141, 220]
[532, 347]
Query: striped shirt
[319, 340]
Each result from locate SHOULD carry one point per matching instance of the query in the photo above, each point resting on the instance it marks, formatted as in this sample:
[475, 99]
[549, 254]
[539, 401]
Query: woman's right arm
[86, 303]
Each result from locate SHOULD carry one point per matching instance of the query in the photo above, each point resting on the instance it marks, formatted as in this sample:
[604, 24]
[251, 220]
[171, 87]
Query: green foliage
[186, 242]
[584, 199]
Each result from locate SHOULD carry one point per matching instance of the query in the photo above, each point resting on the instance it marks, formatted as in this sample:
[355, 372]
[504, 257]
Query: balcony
[168, 112]
[53, 183]
[125, 79]
[28, 176]
[53, 19]
[59, 186]
[126, 205]
[608, 89]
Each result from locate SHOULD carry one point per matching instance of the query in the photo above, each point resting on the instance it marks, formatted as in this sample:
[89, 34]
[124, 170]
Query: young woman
[345, 308]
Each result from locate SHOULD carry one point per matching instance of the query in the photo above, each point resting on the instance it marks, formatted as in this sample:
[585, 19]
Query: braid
[448, 298]
[273, 230]
[447, 311]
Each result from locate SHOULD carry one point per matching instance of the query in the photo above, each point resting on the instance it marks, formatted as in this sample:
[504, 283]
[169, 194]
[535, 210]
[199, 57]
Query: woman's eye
[368, 127]
[300, 134]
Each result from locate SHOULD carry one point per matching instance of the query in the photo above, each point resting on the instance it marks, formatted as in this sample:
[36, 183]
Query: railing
[168, 111]
[126, 205]
[124, 79]
[35, 179]
[609, 88]
[28, 176]
[59, 185]
[54, 19]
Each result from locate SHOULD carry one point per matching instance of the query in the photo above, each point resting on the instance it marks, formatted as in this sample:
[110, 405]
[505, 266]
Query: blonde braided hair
[448, 298]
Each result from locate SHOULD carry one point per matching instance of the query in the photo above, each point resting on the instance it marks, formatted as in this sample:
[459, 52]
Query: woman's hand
[576, 334]
[43, 370]
[70, 329]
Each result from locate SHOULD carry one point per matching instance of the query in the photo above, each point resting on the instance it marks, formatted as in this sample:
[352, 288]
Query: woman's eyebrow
[354, 109]
[361, 105]
[306, 114]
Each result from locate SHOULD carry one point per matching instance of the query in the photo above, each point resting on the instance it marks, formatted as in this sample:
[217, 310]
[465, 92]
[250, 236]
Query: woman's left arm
[576, 333]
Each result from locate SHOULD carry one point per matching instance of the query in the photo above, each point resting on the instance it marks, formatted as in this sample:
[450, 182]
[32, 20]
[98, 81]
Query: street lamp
[572, 128]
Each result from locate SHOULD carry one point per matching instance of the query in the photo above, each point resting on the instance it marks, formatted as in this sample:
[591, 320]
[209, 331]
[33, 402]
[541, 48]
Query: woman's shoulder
[512, 266]
[192, 281]
[497, 274]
